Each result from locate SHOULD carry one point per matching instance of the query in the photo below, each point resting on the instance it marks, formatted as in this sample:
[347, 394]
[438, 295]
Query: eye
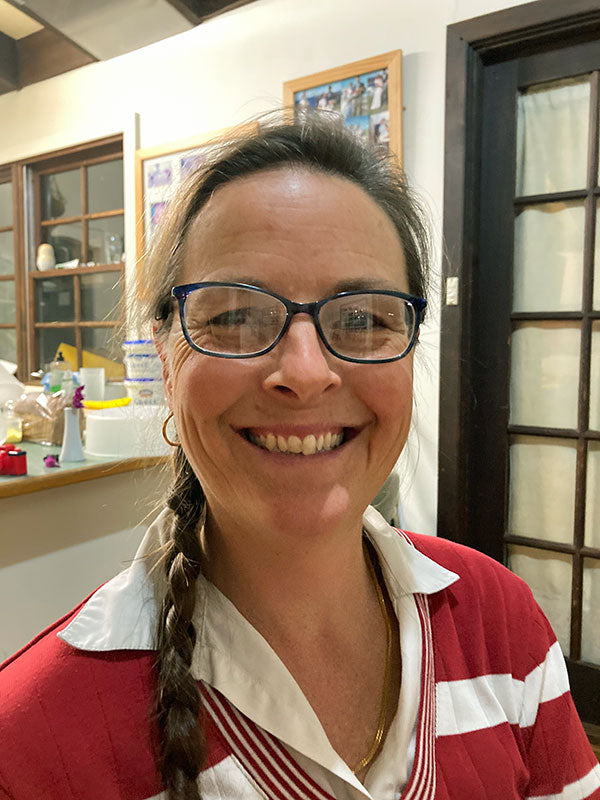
[233, 317]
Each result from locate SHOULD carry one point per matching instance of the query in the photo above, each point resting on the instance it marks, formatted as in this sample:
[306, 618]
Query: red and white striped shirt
[484, 710]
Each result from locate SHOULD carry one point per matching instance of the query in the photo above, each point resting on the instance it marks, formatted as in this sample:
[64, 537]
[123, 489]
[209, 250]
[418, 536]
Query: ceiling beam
[9, 71]
[46, 54]
[198, 11]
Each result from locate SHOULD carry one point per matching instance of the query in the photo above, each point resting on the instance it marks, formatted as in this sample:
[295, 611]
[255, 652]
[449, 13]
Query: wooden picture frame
[158, 171]
[367, 93]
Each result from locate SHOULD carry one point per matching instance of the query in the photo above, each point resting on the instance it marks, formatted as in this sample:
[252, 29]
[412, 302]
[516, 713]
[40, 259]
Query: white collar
[230, 654]
[121, 615]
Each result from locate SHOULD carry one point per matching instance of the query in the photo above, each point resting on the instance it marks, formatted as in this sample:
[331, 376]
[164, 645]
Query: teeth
[282, 444]
[294, 444]
[308, 446]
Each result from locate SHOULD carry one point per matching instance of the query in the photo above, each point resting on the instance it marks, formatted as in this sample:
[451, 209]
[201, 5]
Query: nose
[301, 366]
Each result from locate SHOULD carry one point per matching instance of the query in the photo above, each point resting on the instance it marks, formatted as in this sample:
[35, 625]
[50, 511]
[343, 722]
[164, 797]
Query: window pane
[8, 345]
[7, 253]
[590, 632]
[549, 577]
[594, 423]
[552, 135]
[6, 209]
[105, 240]
[592, 497]
[66, 241]
[54, 300]
[544, 374]
[101, 296]
[50, 340]
[105, 186]
[61, 194]
[106, 343]
[548, 263]
[541, 502]
[7, 302]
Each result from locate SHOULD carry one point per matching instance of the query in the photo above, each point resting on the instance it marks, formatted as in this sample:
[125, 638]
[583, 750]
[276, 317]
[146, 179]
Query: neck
[296, 583]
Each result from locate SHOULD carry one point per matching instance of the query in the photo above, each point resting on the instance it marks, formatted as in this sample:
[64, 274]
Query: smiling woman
[276, 638]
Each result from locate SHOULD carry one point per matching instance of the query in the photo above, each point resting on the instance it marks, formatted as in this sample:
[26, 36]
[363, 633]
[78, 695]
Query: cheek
[204, 387]
[388, 393]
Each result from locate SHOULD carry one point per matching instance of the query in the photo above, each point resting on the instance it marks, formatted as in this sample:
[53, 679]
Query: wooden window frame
[473, 48]
[28, 172]
[10, 173]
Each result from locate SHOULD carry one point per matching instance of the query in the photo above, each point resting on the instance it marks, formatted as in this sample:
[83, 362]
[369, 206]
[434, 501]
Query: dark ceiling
[77, 32]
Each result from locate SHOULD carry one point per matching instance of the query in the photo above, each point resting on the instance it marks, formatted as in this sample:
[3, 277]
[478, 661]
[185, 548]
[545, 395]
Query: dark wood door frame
[472, 46]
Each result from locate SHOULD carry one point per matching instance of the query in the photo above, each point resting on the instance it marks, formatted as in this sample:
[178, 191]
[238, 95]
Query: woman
[273, 638]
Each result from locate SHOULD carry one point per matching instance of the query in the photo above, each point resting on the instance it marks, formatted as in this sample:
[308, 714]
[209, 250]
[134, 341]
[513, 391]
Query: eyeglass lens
[237, 321]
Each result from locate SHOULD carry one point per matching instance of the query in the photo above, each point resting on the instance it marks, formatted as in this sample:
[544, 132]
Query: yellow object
[14, 429]
[113, 370]
[120, 401]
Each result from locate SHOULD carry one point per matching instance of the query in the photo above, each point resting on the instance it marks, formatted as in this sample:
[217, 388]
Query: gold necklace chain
[364, 762]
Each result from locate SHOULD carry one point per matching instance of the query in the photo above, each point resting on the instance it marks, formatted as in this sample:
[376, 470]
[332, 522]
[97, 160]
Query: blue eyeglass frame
[181, 293]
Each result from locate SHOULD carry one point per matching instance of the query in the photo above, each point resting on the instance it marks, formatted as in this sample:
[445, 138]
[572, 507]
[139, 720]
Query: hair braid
[177, 706]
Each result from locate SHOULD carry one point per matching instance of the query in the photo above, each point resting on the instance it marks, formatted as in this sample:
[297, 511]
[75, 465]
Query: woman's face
[305, 236]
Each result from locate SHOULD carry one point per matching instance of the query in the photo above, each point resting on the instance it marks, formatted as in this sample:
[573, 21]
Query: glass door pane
[548, 260]
[544, 374]
[549, 578]
[6, 205]
[61, 194]
[542, 488]
[552, 135]
[7, 253]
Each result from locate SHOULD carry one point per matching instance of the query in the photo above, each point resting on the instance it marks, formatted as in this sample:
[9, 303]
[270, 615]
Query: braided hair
[317, 142]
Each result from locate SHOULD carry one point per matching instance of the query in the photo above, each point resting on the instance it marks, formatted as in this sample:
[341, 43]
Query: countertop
[40, 477]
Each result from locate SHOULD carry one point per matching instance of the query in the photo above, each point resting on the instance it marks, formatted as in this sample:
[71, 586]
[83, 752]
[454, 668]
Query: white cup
[92, 378]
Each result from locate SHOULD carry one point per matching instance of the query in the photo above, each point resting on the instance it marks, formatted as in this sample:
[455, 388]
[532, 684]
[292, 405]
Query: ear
[161, 344]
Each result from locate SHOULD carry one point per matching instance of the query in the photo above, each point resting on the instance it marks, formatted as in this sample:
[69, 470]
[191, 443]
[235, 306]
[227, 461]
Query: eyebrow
[350, 285]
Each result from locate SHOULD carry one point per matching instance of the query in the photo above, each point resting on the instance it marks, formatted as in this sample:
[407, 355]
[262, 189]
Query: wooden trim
[82, 270]
[104, 149]
[117, 212]
[392, 61]
[192, 143]
[27, 485]
[77, 324]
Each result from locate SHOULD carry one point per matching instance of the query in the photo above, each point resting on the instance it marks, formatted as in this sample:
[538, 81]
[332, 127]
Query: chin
[314, 513]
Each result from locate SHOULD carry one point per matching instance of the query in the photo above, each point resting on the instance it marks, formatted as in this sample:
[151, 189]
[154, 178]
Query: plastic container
[137, 346]
[145, 391]
[142, 365]
[125, 431]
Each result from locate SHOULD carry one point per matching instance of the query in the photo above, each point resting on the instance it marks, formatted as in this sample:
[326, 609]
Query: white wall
[232, 67]
[58, 545]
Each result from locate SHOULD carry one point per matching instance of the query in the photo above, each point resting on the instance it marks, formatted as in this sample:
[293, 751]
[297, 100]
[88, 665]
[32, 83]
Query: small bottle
[14, 424]
[61, 376]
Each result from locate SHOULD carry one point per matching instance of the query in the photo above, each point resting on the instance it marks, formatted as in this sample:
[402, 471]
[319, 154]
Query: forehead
[282, 221]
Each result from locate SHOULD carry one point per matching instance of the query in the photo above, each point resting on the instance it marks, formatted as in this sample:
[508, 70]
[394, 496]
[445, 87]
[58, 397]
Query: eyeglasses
[235, 320]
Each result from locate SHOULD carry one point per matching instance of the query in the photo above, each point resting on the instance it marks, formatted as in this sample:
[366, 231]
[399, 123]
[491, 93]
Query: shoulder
[56, 700]
[488, 619]
[480, 574]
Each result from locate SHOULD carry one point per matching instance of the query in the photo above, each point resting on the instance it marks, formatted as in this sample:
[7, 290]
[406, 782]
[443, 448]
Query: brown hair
[318, 142]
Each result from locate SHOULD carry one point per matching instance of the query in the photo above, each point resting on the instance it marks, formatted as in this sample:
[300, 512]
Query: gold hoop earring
[164, 431]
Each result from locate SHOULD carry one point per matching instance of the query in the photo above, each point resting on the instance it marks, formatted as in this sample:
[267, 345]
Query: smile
[295, 445]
